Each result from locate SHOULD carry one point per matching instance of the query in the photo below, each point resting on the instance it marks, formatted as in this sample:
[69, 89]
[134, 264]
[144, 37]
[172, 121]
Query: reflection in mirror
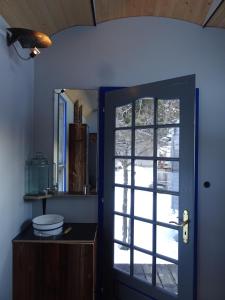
[75, 140]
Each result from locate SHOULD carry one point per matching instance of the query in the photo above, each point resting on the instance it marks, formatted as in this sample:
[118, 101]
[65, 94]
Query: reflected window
[62, 145]
[75, 140]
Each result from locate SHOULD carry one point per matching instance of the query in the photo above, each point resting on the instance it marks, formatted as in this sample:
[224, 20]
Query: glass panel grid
[143, 204]
[123, 142]
[143, 266]
[122, 199]
[168, 175]
[168, 142]
[168, 111]
[124, 116]
[144, 142]
[143, 235]
[144, 111]
[121, 259]
[122, 228]
[167, 242]
[167, 276]
[123, 171]
[151, 179]
[143, 173]
[167, 208]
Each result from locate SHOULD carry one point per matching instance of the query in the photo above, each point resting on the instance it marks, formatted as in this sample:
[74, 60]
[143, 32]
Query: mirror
[75, 140]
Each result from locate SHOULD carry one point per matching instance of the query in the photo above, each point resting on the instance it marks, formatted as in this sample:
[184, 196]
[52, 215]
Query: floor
[166, 275]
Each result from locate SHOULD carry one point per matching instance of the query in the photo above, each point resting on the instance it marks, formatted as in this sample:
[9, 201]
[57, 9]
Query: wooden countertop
[82, 233]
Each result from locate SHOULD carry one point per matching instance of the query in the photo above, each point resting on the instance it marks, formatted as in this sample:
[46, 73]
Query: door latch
[184, 225]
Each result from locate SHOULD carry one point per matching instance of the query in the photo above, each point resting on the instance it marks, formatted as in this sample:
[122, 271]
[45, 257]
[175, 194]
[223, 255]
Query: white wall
[75, 209]
[134, 51]
[16, 114]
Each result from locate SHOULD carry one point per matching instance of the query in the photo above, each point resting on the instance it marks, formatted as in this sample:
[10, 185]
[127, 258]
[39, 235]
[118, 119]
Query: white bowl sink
[47, 225]
[48, 233]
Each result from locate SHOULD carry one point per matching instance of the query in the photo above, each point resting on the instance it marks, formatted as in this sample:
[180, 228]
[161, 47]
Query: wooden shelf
[38, 197]
[68, 195]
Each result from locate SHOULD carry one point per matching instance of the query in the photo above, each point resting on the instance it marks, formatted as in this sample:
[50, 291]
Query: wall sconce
[28, 39]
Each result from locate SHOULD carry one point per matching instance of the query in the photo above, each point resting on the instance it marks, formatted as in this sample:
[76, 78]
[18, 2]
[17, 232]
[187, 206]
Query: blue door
[149, 191]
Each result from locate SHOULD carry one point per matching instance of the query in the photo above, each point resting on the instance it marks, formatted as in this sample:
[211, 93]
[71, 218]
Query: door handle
[185, 225]
[179, 224]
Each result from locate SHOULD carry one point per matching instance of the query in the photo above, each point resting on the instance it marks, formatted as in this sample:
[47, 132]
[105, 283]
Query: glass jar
[39, 175]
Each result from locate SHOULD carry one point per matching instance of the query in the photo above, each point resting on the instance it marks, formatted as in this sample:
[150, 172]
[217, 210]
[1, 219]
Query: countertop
[82, 233]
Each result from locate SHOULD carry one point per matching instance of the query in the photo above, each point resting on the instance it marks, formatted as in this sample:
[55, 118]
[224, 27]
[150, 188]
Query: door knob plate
[184, 225]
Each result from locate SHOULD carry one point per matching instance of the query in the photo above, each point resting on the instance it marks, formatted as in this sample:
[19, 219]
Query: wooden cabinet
[57, 268]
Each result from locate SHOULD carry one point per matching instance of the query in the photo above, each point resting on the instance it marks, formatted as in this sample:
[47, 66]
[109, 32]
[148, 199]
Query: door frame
[101, 131]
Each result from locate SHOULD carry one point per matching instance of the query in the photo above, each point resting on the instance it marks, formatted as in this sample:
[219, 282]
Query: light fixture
[35, 51]
[28, 39]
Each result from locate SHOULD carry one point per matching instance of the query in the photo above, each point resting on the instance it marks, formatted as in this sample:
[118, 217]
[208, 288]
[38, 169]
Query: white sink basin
[47, 225]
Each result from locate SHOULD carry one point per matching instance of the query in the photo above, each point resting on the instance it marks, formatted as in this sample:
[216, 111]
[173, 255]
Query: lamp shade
[28, 38]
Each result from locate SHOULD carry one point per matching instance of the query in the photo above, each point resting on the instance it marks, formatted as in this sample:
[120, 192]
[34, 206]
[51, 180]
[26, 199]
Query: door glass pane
[167, 275]
[168, 175]
[143, 170]
[123, 142]
[122, 200]
[123, 171]
[143, 204]
[144, 111]
[167, 208]
[167, 242]
[168, 142]
[168, 111]
[124, 116]
[144, 142]
[143, 266]
[143, 235]
[122, 258]
[122, 229]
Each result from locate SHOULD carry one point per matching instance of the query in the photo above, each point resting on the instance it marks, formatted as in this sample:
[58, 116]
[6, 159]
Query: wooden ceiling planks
[49, 16]
[188, 10]
[218, 20]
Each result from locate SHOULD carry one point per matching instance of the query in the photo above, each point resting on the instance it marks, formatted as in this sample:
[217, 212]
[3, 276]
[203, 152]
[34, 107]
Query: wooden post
[76, 112]
[77, 157]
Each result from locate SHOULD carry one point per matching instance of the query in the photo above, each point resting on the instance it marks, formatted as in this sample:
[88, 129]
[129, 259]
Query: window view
[146, 192]
[62, 145]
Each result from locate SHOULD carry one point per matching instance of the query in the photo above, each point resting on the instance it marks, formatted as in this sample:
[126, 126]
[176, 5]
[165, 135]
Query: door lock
[185, 225]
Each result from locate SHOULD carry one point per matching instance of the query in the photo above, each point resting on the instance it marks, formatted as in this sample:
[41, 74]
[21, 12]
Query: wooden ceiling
[218, 19]
[188, 10]
[51, 16]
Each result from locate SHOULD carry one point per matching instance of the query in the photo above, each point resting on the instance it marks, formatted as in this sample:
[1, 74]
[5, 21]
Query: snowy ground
[166, 211]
